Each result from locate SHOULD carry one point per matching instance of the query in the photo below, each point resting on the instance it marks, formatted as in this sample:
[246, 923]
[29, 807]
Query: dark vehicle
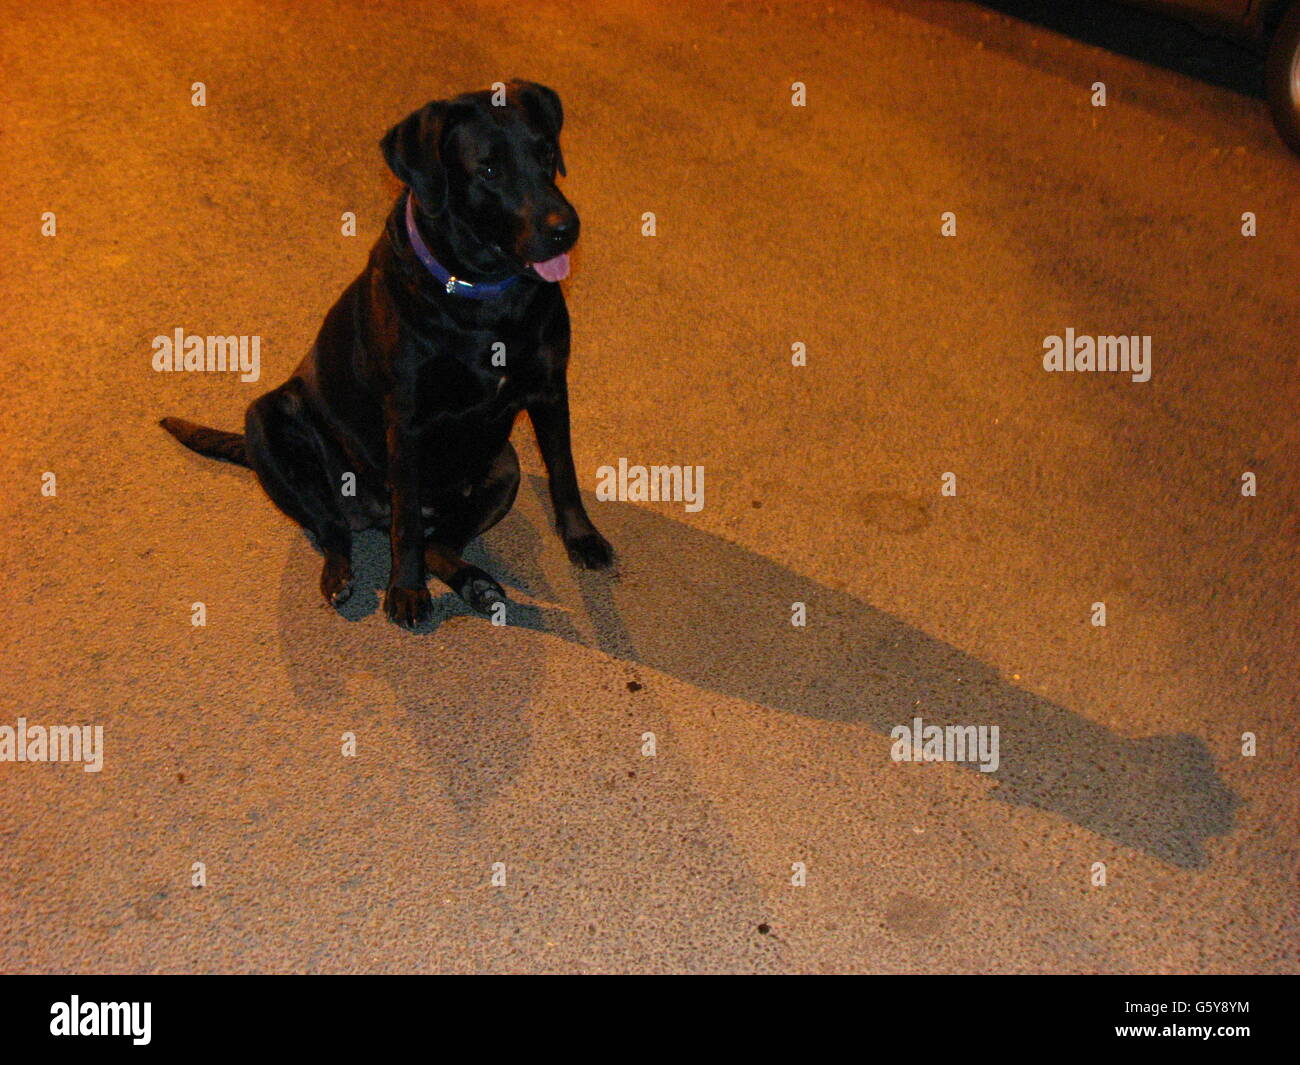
[1274, 23]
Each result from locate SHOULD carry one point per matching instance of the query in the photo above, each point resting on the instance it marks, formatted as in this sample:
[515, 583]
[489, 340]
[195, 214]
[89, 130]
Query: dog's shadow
[708, 612]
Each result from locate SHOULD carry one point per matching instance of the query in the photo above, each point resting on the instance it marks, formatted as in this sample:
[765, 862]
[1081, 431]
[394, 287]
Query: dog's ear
[413, 151]
[544, 111]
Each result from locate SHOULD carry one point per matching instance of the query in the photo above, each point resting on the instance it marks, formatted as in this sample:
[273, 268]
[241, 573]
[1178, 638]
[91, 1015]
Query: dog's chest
[480, 385]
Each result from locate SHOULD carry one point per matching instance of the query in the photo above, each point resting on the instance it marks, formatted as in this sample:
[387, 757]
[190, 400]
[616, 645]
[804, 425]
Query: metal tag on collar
[451, 284]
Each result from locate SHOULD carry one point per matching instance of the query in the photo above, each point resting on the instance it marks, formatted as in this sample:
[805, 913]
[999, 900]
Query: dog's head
[482, 167]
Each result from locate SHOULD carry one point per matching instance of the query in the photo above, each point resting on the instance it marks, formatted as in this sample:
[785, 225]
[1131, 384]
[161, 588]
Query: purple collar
[451, 284]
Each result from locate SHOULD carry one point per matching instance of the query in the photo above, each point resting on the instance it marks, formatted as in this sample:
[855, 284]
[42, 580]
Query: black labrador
[400, 415]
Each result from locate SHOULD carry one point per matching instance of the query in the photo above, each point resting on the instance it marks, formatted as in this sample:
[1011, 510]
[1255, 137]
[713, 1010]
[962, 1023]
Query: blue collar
[451, 284]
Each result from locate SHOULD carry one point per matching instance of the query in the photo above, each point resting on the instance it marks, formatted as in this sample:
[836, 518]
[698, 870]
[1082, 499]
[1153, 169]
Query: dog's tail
[215, 444]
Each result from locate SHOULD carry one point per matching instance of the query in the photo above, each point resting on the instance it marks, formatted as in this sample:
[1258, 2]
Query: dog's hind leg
[487, 503]
[287, 453]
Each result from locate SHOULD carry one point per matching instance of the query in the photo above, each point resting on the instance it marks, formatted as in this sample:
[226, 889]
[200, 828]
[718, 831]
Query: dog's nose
[562, 227]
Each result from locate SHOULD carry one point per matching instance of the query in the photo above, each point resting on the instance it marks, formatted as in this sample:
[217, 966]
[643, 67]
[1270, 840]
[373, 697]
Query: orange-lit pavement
[523, 745]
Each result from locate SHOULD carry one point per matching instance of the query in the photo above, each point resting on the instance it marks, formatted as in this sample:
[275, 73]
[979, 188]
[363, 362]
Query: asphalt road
[523, 744]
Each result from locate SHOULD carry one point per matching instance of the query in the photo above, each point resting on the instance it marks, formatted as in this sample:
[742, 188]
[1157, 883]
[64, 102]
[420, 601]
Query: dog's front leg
[586, 547]
[407, 600]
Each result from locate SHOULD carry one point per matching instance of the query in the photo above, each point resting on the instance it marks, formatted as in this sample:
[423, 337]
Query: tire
[1282, 77]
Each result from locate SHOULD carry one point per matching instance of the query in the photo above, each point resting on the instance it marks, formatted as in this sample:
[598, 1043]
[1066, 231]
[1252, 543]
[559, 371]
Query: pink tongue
[556, 269]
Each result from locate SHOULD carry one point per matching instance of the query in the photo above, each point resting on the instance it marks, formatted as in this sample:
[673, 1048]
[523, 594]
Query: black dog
[419, 370]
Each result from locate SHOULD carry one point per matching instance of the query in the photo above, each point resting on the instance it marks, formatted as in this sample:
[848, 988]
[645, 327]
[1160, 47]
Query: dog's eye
[486, 171]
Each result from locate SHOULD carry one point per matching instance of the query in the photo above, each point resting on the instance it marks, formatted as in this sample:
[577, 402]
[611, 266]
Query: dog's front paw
[478, 589]
[408, 606]
[590, 550]
[336, 580]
